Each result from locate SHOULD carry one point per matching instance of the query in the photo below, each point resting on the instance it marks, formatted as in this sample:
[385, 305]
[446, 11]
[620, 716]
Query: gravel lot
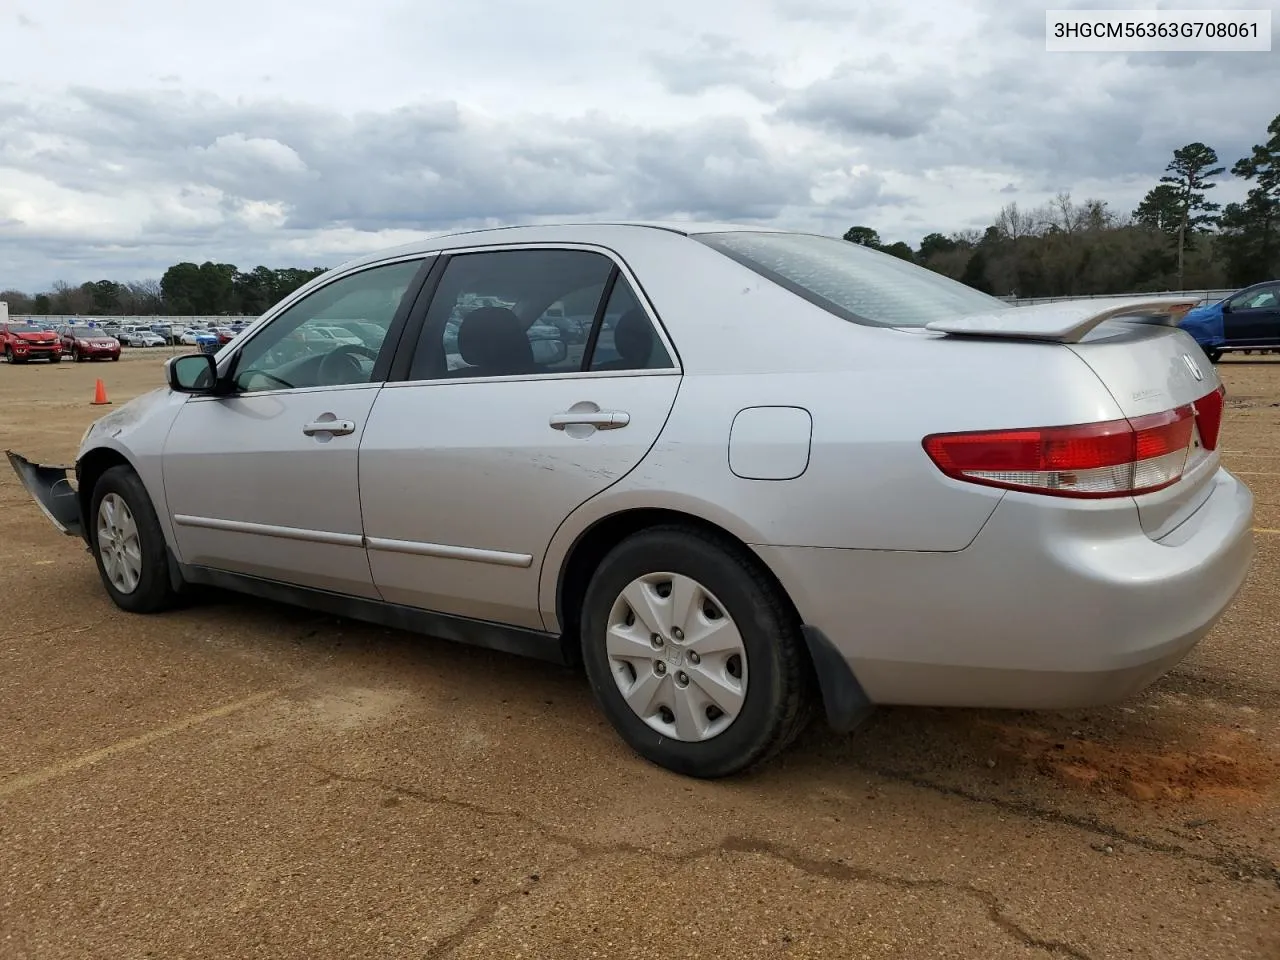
[245, 779]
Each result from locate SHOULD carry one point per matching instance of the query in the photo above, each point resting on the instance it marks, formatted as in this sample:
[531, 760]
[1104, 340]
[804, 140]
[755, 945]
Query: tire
[153, 591]
[78, 356]
[773, 663]
[116, 357]
[55, 359]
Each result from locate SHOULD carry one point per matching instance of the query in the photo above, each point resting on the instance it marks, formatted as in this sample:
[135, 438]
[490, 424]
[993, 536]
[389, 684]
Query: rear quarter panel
[869, 484]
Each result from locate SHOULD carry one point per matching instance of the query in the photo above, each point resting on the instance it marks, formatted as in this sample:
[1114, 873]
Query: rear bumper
[50, 487]
[1051, 607]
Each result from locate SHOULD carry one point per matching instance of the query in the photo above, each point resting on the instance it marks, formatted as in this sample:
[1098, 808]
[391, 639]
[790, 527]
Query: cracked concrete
[242, 779]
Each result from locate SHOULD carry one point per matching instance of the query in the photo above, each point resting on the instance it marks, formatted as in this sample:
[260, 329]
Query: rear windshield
[852, 281]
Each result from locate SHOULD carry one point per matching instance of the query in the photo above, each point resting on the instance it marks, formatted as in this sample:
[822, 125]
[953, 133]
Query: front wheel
[55, 359]
[128, 543]
[693, 653]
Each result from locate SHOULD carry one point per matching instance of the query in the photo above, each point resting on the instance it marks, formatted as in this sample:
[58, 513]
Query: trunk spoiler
[51, 489]
[1066, 322]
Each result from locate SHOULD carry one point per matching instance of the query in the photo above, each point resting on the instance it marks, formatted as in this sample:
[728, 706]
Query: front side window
[1263, 299]
[508, 313]
[852, 281]
[312, 343]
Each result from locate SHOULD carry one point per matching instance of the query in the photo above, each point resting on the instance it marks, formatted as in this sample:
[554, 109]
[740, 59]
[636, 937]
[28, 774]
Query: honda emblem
[1193, 366]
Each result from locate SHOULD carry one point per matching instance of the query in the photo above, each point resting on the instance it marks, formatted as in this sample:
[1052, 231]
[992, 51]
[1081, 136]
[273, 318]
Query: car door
[1252, 316]
[499, 430]
[264, 480]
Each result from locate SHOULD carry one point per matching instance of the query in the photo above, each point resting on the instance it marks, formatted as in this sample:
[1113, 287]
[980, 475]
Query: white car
[341, 335]
[793, 475]
[141, 338]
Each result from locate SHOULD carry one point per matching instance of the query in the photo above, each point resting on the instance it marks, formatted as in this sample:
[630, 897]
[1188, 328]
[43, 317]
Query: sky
[139, 133]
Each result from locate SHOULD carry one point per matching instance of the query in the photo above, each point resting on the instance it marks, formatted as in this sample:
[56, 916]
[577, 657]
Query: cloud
[158, 137]
[188, 177]
[715, 62]
[869, 99]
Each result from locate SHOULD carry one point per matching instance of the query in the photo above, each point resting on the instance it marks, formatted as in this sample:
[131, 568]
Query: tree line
[1175, 239]
[185, 289]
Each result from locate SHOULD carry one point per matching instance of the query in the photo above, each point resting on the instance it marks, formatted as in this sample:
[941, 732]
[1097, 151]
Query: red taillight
[1115, 458]
[1209, 416]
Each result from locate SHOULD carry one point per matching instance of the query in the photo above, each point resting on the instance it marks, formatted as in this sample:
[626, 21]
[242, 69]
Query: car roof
[592, 231]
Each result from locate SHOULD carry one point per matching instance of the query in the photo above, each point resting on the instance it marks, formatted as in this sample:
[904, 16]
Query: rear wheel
[693, 654]
[128, 543]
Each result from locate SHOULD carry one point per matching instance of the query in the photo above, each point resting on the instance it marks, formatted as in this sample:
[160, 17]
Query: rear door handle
[337, 428]
[600, 419]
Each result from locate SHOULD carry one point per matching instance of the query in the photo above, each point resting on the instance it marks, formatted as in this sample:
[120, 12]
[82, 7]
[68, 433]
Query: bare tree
[1014, 224]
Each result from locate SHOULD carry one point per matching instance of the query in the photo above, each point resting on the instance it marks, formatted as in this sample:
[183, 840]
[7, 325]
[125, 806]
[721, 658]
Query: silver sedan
[780, 474]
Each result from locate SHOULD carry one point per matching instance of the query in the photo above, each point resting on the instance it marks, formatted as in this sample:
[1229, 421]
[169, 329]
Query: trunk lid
[1150, 369]
[1148, 366]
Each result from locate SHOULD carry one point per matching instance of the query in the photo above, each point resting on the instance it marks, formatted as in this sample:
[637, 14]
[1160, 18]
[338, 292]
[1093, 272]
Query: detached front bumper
[50, 487]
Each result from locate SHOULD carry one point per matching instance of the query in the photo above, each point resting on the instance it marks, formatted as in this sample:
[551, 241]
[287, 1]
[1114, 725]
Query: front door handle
[600, 419]
[337, 428]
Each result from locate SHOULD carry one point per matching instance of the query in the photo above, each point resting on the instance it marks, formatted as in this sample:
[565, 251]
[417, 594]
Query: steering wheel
[341, 366]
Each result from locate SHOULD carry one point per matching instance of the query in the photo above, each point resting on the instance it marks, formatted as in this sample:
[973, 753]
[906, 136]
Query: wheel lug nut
[659, 668]
[682, 678]
[656, 640]
[694, 658]
[677, 634]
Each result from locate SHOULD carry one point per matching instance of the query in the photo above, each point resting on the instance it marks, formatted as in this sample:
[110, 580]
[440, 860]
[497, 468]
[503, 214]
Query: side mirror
[192, 373]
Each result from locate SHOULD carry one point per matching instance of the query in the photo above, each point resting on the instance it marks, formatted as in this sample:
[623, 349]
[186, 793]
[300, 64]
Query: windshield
[852, 281]
[86, 332]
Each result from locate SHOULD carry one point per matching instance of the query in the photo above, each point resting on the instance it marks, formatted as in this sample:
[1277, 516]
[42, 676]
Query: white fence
[59, 319]
[1212, 296]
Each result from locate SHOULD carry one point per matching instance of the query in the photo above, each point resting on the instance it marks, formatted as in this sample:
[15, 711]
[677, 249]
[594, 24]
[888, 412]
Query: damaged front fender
[50, 487]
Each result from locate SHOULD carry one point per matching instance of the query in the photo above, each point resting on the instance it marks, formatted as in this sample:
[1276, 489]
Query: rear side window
[852, 281]
[627, 340]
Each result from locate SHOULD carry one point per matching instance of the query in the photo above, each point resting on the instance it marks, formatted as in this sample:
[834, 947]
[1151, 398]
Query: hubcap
[118, 544]
[677, 656]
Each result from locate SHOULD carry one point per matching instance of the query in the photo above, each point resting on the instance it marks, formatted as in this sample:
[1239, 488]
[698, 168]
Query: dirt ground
[241, 779]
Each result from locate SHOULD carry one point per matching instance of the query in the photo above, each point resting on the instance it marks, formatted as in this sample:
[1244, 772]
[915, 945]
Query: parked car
[198, 338]
[803, 474]
[83, 342]
[21, 342]
[1248, 320]
[140, 337]
[166, 332]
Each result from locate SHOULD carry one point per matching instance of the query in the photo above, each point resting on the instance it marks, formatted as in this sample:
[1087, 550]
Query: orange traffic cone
[100, 394]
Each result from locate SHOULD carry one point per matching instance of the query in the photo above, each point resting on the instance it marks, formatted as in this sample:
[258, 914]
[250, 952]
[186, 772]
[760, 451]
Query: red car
[23, 342]
[89, 343]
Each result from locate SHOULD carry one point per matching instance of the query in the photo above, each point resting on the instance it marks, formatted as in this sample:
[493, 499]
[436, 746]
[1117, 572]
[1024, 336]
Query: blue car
[1247, 320]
